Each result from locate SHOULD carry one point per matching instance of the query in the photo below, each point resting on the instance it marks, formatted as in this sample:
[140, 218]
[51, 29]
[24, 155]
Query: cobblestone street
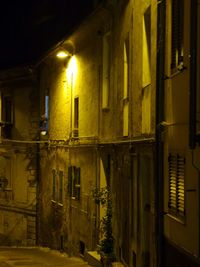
[40, 257]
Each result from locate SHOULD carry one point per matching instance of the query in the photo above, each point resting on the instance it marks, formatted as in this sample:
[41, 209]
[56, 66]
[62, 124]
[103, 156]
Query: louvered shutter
[180, 185]
[172, 182]
[176, 184]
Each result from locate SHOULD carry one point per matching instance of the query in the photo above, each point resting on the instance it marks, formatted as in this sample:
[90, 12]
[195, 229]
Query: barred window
[176, 202]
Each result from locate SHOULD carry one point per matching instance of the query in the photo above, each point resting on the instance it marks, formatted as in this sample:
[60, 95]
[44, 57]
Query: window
[126, 90]
[177, 34]
[74, 182]
[176, 170]
[106, 71]
[6, 119]
[60, 193]
[45, 116]
[54, 185]
[57, 186]
[76, 117]
[146, 72]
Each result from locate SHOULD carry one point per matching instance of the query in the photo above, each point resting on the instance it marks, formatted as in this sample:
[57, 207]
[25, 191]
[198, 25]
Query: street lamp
[63, 54]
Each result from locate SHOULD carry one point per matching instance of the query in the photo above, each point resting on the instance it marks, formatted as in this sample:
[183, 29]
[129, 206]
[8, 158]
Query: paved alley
[40, 257]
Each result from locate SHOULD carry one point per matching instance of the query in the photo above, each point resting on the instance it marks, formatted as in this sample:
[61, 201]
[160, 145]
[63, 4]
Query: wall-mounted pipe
[193, 73]
[160, 77]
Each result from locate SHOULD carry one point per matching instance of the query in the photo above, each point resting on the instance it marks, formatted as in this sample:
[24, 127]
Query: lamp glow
[62, 54]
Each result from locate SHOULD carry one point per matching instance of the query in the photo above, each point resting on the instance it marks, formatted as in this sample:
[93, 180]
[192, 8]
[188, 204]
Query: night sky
[29, 28]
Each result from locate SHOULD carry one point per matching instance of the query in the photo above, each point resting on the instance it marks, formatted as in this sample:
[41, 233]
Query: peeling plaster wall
[18, 197]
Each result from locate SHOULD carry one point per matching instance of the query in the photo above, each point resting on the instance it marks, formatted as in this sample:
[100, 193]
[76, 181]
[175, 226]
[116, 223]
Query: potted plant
[106, 246]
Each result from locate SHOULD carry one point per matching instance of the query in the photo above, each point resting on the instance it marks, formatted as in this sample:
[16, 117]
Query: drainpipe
[193, 73]
[38, 168]
[161, 7]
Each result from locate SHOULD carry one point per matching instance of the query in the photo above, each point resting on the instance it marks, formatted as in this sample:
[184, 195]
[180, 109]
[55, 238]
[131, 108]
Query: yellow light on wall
[72, 70]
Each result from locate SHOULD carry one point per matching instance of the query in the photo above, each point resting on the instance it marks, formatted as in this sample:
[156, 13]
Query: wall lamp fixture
[63, 54]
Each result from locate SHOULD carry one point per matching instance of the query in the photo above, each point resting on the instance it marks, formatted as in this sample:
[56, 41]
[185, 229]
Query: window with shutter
[70, 181]
[77, 184]
[76, 117]
[176, 184]
[106, 71]
[6, 116]
[74, 182]
[126, 89]
[54, 185]
[177, 34]
[60, 197]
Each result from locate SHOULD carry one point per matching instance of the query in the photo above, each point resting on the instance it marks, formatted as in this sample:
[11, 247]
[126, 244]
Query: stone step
[93, 258]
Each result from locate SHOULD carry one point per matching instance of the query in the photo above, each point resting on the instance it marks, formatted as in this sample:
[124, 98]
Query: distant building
[18, 156]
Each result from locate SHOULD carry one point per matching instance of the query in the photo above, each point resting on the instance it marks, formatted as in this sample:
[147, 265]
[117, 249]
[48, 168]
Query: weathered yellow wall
[18, 199]
[176, 140]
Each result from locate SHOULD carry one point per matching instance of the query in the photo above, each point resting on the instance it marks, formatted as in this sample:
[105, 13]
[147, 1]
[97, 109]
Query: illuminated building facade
[101, 131]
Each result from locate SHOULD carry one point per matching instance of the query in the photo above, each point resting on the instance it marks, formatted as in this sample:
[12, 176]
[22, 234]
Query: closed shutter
[180, 185]
[61, 186]
[78, 184]
[70, 181]
[53, 184]
[176, 184]
[172, 182]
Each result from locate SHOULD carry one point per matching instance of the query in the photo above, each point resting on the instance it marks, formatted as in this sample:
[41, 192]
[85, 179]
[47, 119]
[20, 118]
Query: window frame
[126, 83]
[76, 117]
[177, 35]
[106, 61]
[74, 182]
[6, 123]
[176, 185]
[60, 187]
[54, 198]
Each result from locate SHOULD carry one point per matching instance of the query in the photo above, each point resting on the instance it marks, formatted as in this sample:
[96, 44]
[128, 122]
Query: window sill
[175, 72]
[105, 109]
[75, 199]
[56, 203]
[176, 218]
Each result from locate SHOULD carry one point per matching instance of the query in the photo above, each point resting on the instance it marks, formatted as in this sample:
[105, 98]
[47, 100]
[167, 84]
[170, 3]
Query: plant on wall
[106, 247]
